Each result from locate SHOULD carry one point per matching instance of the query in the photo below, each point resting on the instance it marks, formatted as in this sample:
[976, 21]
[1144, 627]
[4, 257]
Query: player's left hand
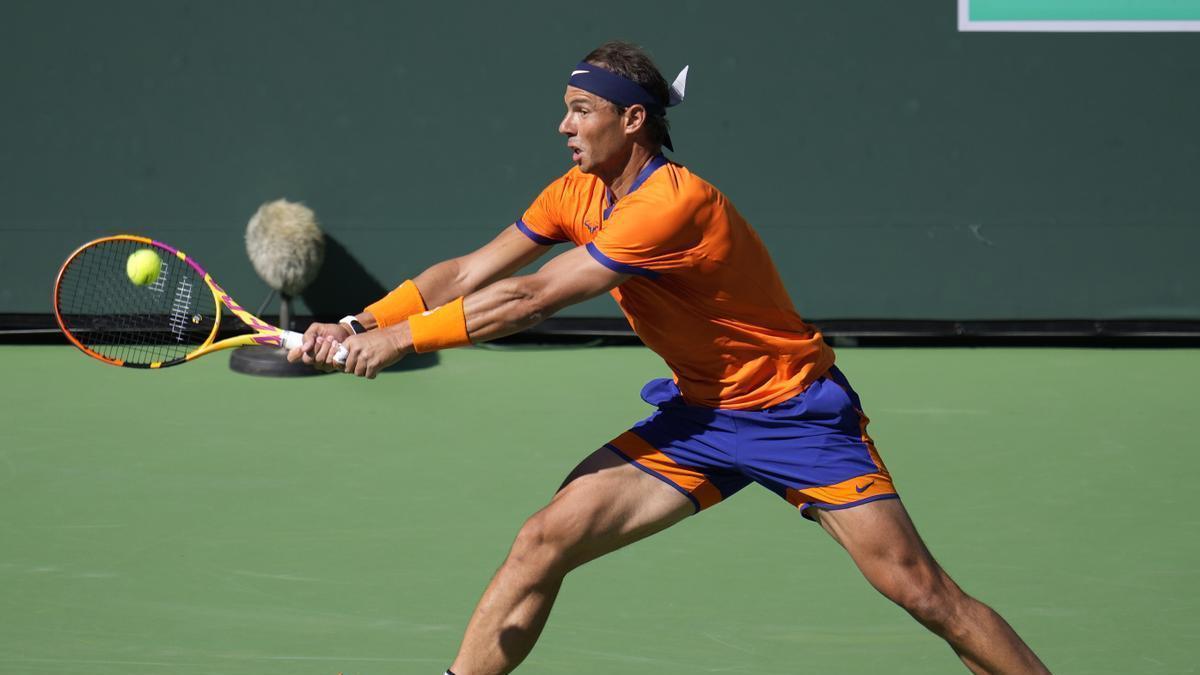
[367, 353]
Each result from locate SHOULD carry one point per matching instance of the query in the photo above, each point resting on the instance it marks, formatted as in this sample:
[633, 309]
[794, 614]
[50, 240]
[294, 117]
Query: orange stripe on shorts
[846, 492]
[689, 480]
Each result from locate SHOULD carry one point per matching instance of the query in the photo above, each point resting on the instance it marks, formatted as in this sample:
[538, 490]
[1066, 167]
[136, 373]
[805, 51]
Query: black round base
[269, 362]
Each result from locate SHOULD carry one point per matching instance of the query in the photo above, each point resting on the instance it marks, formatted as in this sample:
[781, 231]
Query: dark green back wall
[897, 168]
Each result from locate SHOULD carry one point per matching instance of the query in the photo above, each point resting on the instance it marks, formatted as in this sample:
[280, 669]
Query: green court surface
[194, 520]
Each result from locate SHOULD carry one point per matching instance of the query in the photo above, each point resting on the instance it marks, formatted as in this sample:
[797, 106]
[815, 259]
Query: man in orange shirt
[755, 396]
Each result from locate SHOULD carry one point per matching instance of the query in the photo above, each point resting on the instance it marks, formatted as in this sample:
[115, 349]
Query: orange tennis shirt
[705, 294]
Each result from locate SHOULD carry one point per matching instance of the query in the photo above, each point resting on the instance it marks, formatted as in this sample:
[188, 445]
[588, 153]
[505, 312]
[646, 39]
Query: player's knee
[928, 604]
[544, 543]
[930, 597]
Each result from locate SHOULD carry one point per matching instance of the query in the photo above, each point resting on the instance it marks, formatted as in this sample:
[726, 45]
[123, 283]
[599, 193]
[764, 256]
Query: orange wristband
[398, 305]
[440, 328]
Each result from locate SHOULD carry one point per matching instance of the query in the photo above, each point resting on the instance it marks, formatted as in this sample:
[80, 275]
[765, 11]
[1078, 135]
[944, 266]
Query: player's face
[595, 132]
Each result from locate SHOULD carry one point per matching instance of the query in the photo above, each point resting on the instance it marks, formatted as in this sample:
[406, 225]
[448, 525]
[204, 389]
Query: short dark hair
[633, 63]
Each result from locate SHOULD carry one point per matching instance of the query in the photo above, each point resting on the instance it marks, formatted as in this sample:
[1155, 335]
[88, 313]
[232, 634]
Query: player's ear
[634, 118]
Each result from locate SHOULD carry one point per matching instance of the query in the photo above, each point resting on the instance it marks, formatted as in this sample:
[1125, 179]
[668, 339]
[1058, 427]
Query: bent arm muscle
[512, 305]
[508, 252]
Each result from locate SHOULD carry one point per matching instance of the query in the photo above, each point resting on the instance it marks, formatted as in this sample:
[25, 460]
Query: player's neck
[620, 183]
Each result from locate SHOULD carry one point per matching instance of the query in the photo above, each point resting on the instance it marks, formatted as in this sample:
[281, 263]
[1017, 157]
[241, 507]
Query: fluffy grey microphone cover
[285, 245]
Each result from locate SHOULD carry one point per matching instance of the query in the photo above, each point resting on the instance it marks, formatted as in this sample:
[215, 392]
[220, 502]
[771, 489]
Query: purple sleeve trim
[619, 266]
[537, 238]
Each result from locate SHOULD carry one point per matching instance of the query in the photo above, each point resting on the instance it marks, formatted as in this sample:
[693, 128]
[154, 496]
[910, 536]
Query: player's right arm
[500, 309]
[498, 259]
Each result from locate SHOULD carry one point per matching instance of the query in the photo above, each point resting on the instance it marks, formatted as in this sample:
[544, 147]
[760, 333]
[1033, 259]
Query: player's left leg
[882, 541]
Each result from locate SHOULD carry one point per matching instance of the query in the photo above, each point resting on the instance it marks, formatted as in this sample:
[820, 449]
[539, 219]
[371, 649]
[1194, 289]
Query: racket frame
[264, 333]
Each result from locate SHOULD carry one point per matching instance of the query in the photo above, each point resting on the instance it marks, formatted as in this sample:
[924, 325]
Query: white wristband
[351, 322]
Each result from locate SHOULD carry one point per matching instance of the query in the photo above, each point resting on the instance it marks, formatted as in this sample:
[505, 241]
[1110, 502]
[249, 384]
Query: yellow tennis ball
[143, 266]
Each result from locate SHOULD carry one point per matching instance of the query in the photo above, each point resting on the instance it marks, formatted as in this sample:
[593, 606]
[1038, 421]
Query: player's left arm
[505, 307]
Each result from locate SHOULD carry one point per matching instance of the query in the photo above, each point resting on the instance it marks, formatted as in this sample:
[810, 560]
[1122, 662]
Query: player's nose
[565, 127]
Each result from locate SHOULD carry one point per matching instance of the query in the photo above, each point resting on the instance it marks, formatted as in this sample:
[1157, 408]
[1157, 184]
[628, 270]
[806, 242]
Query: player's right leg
[605, 504]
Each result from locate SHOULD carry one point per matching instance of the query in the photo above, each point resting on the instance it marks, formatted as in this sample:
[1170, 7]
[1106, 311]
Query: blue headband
[625, 92]
[609, 85]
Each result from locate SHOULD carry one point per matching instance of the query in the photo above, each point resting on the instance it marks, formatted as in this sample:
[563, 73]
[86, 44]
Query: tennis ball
[143, 266]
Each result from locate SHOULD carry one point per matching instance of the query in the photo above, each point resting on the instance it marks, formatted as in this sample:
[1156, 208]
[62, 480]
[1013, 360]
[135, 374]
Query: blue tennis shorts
[813, 449]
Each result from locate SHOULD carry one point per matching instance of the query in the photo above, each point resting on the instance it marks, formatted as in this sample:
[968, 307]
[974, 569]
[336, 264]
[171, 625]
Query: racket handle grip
[291, 340]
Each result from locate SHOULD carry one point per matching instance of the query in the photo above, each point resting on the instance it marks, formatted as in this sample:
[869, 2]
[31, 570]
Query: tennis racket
[172, 320]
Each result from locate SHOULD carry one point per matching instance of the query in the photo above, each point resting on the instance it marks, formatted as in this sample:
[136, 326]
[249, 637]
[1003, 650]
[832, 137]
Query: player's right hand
[318, 340]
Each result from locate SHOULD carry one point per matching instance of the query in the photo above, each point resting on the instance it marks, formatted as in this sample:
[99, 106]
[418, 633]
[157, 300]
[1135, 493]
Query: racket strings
[139, 325]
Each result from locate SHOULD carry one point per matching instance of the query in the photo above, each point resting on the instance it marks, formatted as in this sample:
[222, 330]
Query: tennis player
[755, 396]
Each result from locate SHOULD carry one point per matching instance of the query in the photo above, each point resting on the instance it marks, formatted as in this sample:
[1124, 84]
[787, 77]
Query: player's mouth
[576, 153]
